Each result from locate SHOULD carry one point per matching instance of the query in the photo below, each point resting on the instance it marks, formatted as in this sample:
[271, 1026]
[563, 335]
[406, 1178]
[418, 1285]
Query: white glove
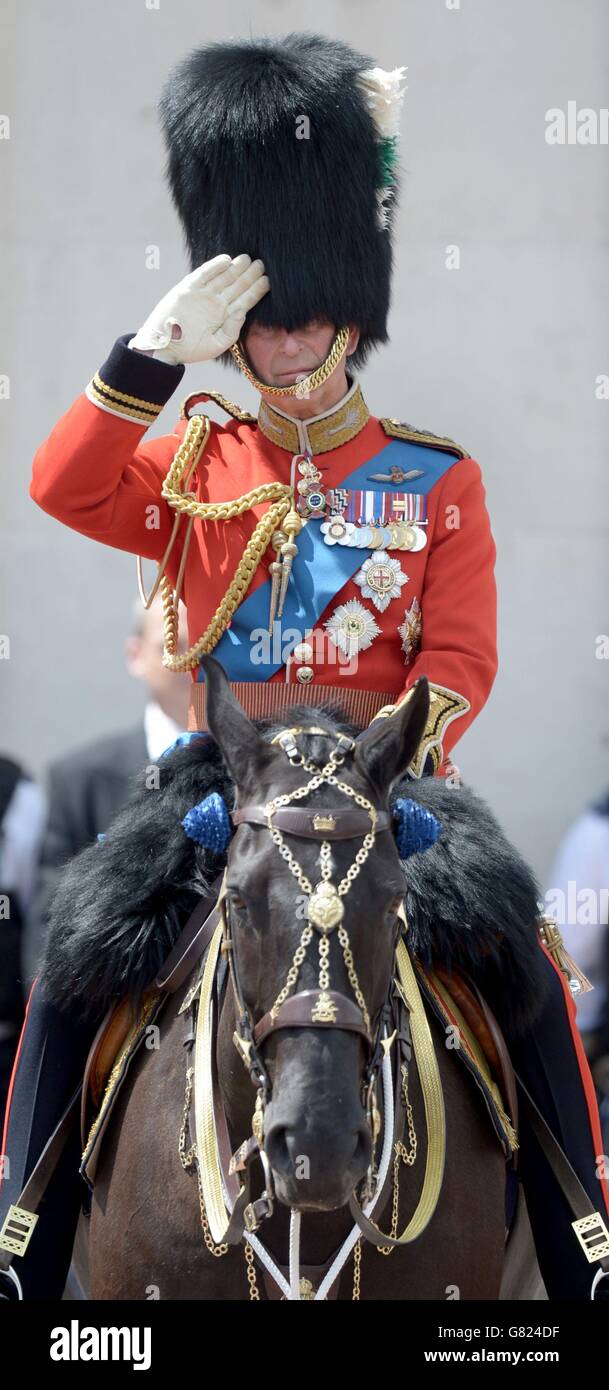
[203, 314]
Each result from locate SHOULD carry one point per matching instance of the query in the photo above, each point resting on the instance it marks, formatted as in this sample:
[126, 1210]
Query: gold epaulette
[397, 430]
[229, 406]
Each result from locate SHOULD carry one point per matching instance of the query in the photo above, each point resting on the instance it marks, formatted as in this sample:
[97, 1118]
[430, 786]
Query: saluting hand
[203, 314]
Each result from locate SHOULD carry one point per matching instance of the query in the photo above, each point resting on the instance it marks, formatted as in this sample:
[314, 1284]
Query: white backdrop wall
[503, 354]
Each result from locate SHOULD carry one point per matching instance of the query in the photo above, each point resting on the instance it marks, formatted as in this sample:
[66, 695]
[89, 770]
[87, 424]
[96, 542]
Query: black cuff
[133, 385]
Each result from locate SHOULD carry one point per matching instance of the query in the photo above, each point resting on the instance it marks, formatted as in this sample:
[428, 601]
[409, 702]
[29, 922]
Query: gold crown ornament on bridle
[278, 527]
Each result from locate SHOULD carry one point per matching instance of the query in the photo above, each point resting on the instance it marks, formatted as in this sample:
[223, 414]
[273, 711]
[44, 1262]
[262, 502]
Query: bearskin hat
[274, 148]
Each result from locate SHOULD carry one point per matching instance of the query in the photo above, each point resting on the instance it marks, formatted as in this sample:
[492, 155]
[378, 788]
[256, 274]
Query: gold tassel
[550, 935]
[292, 524]
[512, 1136]
[278, 539]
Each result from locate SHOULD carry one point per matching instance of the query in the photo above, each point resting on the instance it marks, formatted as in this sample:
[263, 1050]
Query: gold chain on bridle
[325, 914]
[325, 909]
[407, 1156]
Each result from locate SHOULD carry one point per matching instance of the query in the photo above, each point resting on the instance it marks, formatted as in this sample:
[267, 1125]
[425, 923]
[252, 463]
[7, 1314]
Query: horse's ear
[388, 745]
[244, 751]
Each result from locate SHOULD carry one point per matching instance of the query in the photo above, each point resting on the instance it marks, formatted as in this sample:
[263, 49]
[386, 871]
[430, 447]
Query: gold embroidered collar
[319, 433]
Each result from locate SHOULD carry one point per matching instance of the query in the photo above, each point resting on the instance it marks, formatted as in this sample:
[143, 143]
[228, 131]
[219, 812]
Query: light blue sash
[319, 572]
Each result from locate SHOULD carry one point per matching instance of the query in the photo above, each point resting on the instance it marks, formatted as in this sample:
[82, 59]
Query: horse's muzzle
[316, 1169]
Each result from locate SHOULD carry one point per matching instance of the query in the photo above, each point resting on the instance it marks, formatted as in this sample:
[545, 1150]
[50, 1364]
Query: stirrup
[15, 1293]
[600, 1274]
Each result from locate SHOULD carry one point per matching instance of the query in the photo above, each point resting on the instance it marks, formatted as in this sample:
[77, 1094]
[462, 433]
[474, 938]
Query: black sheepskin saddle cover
[471, 901]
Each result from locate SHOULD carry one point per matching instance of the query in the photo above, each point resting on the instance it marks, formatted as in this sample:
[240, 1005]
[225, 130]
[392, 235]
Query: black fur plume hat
[279, 148]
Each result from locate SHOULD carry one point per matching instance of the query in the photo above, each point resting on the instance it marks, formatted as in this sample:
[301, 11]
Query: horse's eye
[236, 900]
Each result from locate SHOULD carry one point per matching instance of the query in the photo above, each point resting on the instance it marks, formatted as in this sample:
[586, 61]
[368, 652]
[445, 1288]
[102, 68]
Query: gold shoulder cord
[280, 495]
[174, 490]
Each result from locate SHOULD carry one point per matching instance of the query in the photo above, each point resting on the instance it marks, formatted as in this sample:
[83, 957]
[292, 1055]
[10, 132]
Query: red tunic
[100, 475]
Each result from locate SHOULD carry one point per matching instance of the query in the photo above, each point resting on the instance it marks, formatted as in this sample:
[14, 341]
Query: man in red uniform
[372, 617]
[321, 552]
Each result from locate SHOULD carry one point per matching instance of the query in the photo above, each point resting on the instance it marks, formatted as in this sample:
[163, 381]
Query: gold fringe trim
[470, 1041]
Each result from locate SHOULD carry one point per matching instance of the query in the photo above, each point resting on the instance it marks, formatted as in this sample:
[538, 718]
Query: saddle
[124, 1029]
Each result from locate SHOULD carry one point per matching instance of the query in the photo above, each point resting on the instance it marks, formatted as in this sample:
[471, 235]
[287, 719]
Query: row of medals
[380, 577]
[312, 503]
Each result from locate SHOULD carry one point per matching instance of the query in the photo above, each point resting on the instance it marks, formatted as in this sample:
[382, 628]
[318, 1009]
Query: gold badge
[325, 907]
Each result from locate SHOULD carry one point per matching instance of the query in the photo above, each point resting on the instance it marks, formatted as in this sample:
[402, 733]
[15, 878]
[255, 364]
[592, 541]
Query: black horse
[470, 902]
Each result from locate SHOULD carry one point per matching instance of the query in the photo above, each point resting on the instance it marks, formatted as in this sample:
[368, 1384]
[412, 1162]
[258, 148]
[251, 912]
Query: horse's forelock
[327, 715]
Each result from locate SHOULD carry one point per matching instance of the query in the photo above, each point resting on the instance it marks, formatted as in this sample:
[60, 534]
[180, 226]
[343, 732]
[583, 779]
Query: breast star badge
[410, 630]
[352, 627]
[381, 578]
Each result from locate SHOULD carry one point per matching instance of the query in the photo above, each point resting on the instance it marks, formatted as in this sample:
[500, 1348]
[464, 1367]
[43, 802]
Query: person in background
[89, 785]
[22, 818]
[578, 894]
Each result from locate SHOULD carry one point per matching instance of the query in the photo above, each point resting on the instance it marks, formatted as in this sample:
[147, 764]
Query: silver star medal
[410, 630]
[352, 627]
[381, 578]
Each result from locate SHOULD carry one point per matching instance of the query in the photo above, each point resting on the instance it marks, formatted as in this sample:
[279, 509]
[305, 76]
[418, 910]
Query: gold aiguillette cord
[203, 437]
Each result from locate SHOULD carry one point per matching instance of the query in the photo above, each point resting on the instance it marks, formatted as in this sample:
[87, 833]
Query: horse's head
[314, 1049]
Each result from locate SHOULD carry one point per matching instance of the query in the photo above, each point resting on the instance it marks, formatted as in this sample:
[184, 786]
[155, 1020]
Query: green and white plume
[384, 93]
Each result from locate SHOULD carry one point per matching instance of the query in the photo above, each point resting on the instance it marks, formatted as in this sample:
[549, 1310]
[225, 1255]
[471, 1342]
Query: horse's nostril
[277, 1151]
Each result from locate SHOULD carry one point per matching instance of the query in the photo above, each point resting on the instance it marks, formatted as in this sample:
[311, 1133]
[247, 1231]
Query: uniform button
[303, 651]
[304, 674]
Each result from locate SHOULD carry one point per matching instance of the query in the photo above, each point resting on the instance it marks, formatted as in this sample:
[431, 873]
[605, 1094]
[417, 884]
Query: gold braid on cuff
[444, 706]
[308, 383]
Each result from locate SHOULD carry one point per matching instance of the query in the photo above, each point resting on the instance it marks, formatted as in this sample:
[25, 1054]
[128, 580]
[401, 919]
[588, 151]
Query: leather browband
[296, 1013]
[325, 823]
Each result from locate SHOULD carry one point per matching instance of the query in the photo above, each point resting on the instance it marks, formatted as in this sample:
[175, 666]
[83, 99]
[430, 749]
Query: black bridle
[307, 1008]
